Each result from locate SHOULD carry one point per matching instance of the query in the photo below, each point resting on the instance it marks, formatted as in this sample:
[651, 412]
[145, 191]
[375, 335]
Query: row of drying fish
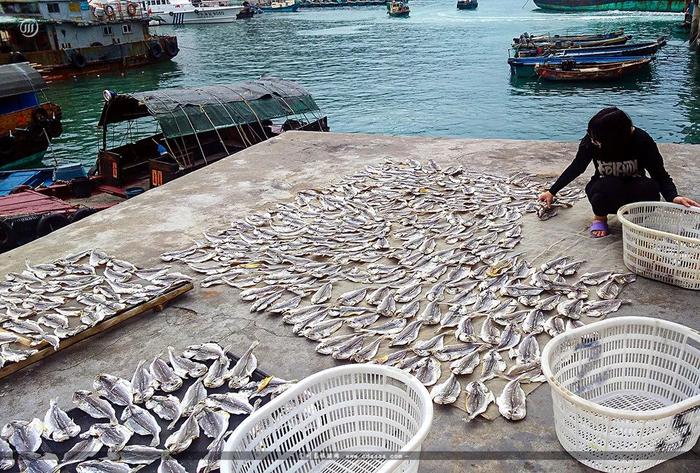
[415, 263]
[46, 303]
[143, 400]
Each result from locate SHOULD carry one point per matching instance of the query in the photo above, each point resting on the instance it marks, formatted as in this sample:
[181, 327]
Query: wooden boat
[28, 122]
[540, 48]
[525, 66]
[548, 38]
[398, 9]
[569, 71]
[279, 6]
[467, 4]
[675, 6]
[634, 49]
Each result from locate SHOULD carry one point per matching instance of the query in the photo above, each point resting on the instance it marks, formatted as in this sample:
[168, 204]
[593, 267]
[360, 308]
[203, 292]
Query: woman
[622, 155]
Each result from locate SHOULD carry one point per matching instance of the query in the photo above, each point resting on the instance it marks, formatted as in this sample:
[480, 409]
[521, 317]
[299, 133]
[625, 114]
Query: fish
[217, 373]
[510, 337]
[465, 330]
[431, 315]
[352, 298]
[489, 333]
[446, 392]
[452, 352]
[528, 350]
[182, 438]
[213, 423]
[387, 306]
[328, 345]
[426, 347]
[554, 325]
[603, 307]
[408, 335]
[94, 406]
[244, 367]
[81, 451]
[512, 401]
[549, 303]
[58, 426]
[408, 292]
[609, 290]
[7, 459]
[231, 402]
[170, 465]
[103, 466]
[116, 390]
[492, 365]
[184, 367]
[428, 371]
[164, 375]
[136, 454]
[25, 437]
[348, 349]
[114, 436]
[390, 327]
[166, 407]
[377, 296]
[322, 294]
[203, 352]
[409, 310]
[143, 383]
[367, 352]
[36, 463]
[466, 364]
[141, 422]
[479, 397]
[194, 395]
[595, 278]
[570, 308]
[533, 322]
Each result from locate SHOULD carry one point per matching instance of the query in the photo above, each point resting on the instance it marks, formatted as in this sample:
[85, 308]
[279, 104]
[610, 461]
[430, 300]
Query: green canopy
[186, 111]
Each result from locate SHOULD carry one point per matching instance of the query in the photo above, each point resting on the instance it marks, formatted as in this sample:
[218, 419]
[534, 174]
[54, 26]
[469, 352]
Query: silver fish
[489, 332]
[36, 463]
[466, 364]
[409, 310]
[407, 335]
[181, 439]
[57, 425]
[81, 451]
[596, 278]
[512, 401]
[609, 290]
[195, 394]
[328, 345]
[213, 423]
[362, 321]
[217, 373]
[319, 331]
[428, 371]
[604, 307]
[116, 390]
[492, 365]
[510, 337]
[447, 392]
[368, 352]
[165, 407]
[348, 349]
[111, 435]
[244, 367]
[452, 352]
[352, 298]
[142, 422]
[571, 308]
[479, 397]
[103, 466]
[233, 403]
[387, 306]
[136, 454]
[24, 436]
[94, 406]
[164, 375]
[184, 367]
[431, 315]
[426, 347]
[409, 291]
[390, 327]
[323, 294]
[518, 290]
[206, 351]
[533, 322]
[528, 350]
[549, 303]
[142, 383]
[170, 465]
[377, 296]
[554, 325]
[465, 330]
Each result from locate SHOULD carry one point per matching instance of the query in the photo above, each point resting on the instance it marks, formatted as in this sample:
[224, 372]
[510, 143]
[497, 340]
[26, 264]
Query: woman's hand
[685, 201]
[547, 197]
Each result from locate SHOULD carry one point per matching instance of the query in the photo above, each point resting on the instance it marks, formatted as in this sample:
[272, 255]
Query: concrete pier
[172, 216]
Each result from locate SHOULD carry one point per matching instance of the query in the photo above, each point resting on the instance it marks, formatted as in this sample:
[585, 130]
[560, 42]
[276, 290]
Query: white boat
[183, 12]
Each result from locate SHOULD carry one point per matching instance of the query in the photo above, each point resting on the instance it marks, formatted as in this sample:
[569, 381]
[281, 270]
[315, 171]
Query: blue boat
[635, 49]
[525, 66]
[280, 6]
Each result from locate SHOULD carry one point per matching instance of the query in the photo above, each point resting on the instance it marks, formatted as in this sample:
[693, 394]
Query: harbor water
[441, 72]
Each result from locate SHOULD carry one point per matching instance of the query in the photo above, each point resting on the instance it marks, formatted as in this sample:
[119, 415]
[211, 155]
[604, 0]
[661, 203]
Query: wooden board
[157, 303]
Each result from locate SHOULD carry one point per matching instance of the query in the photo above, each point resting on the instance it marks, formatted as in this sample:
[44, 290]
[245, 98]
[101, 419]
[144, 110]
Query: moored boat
[185, 12]
[248, 11]
[398, 9]
[571, 72]
[525, 67]
[63, 39]
[633, 49]
[550, 38]
[279, 6]
[28, 122]
[540, 48]
[467, 4]
[675, 6]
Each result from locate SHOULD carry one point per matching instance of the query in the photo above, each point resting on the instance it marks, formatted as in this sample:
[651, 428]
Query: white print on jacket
[618, 168]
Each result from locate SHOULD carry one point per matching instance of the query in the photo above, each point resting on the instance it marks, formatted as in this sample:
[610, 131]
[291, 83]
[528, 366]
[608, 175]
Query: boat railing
[116, 11]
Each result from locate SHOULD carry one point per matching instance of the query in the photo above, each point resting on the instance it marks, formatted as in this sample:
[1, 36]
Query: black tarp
[19, 78]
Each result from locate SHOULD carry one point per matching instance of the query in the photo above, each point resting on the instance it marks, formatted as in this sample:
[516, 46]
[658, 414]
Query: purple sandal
[599, 226]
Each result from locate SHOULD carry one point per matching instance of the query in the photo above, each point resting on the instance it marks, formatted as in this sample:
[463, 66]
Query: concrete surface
[172, 216]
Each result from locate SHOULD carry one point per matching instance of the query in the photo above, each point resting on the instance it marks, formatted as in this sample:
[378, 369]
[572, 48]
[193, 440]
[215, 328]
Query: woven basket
[662, 242]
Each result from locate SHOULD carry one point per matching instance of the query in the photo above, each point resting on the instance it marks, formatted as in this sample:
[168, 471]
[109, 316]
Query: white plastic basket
[351, 418]
[662, 241]
[625, 391]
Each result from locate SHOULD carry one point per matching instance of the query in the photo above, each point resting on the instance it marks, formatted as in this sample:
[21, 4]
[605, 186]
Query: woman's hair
[611, 127]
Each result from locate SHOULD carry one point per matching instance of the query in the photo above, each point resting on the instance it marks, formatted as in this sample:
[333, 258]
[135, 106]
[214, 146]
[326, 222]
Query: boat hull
[675, 6]
[600, 73]
[467, 6]
[287, 9]
[525, 67]
[202, 16]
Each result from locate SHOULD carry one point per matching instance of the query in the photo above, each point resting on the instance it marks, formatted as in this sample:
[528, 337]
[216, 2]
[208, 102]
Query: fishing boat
[65, 38]
[540, 48]
[467, 4]
[525, 66]
[195, 127]
[398, 9]
[570, 71]
[675, 6]
[279, 6]
[633, 49]
[550, 38]
[185, 12]
[28, 122]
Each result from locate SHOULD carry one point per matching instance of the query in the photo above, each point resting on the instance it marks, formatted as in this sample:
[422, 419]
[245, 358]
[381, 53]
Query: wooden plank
[157, 303]
[20, 339]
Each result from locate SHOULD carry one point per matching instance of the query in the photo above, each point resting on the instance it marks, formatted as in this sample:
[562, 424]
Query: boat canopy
[187, 111]
[19, 78]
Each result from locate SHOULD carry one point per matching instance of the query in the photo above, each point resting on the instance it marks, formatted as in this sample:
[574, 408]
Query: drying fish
[492, 365]
[213, 423]
[111, 435]
[603, 307]
[510, 337]
[244, 367]
[478, 399]
[409, 310]
[57, 425]
[136, 454]
[428, 371]
[533, 322]
[350, 348]
[528, 351]
[391, 327]
[116, 390]
[431, 315]
[206, 351]
[330, 344]
[103, 466]
[170, 465]
[165, 407]
[426, 347]
[465, 365]
[549, 303]
[465, 330]
[377, 296]
[387, 306]
[217, 373]
[195, 394]
[231, 402]
[142, 383]
[368, 352]
[489, 332]
[183, 367]
[7, 459]
[609, 290]
[571, 308]
[409, 291]
[512, 401]
[554, 325]
[164, 375]
[81, 451]
[452, 352]
[323, 294]
[408, 335]
[352, 298]
[46, 463]
[518, 290]
[596, 278]
[181, 439]
[447, 392]
[141, 422]
[24, 436]
[94, 406]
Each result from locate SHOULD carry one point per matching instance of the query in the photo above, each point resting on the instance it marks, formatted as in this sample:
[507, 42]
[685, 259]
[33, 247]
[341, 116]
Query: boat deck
[172, 216]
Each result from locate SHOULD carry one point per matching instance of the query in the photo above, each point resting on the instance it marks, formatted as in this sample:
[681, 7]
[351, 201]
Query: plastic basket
[662, 241]
[625, 392]
[355, 418]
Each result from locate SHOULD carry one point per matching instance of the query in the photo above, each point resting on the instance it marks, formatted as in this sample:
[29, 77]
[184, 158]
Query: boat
[28, 122]
[341, 3]
[185, 12]
[550, 38]
[467, 4]
[197, 126]
[398, 9]
[540, 48]
[63, 39]
[525, 66]
[248, 11]
[675, 6]
[279, 6]
[634, 49]
[570, 71]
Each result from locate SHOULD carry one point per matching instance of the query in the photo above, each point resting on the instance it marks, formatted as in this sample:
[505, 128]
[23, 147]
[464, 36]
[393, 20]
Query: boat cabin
[169, 132]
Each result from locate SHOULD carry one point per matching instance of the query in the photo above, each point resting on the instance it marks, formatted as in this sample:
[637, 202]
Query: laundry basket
[625, 392]
[662, 241]
[358, 418]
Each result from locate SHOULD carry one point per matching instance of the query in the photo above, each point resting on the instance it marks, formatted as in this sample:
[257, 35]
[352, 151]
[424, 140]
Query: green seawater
[441, 72]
